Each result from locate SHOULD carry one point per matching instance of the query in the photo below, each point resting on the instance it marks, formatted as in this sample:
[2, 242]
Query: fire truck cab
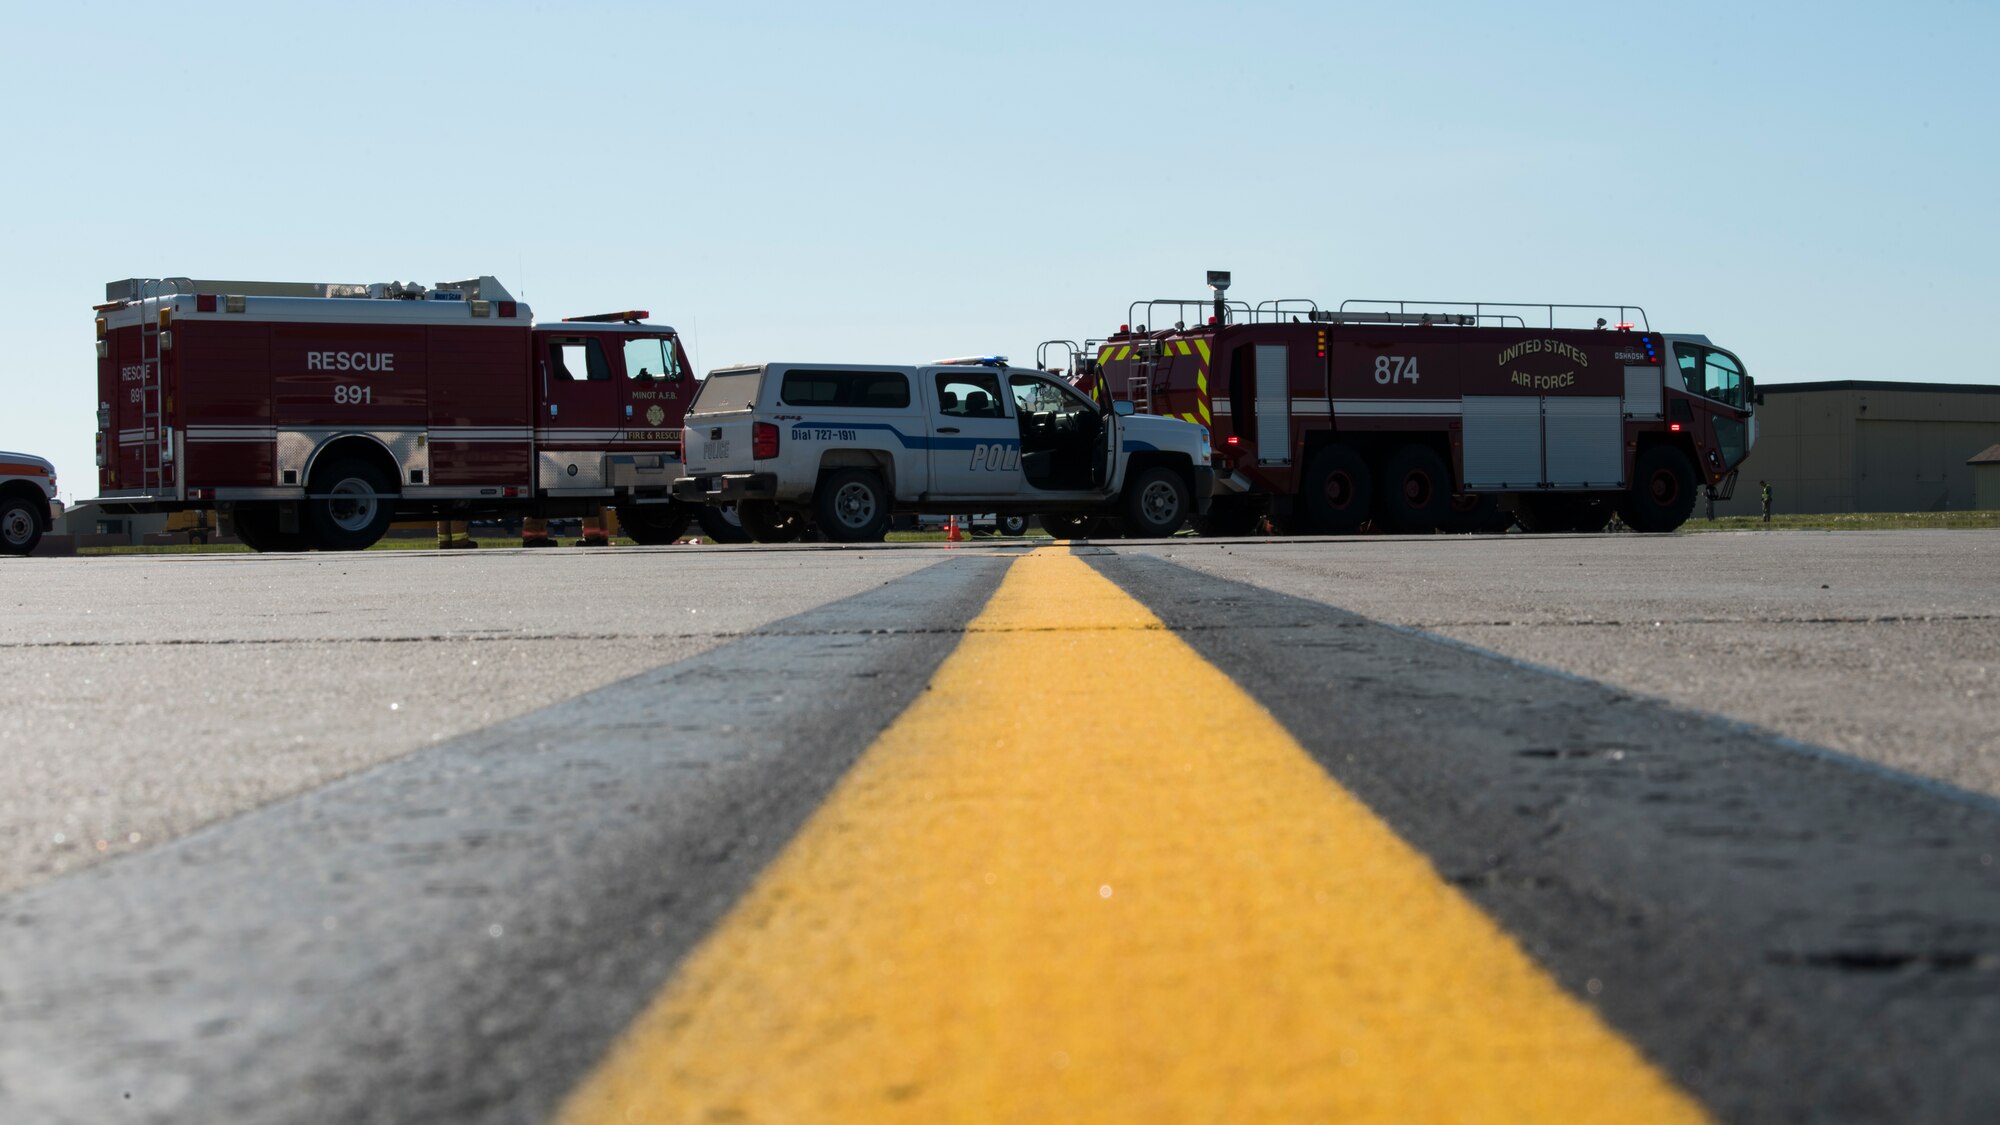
[1404, 416]
[313, 415]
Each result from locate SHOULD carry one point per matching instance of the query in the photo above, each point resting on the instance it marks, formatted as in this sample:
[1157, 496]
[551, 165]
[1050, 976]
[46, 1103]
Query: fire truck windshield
[650, 357]
[1713, 373]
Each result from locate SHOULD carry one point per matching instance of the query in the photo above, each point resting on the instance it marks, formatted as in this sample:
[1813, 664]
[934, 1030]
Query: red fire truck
[313, 415]
[1411, 416]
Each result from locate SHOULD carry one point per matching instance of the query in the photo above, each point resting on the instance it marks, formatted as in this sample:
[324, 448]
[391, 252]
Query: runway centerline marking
[1086, 877]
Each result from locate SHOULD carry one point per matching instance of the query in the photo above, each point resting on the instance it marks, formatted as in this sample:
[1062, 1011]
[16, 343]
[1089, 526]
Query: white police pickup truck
[844, 447]
[28, 502]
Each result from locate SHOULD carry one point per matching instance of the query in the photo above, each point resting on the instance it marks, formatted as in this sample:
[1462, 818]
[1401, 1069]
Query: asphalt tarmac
[1733, 793]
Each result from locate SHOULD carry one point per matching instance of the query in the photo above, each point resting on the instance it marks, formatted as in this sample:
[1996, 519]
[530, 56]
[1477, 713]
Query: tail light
[763, 441]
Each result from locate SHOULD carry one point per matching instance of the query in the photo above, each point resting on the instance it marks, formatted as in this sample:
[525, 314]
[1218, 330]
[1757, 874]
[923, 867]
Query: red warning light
[1230, 440]
[1673, 427]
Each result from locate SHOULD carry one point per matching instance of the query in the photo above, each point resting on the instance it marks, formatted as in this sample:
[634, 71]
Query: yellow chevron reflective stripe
[1205, 417]
[1202, 347]
[1183, 346]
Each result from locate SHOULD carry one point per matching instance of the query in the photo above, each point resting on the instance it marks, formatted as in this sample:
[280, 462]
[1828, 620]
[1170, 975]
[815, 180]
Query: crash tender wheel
[1337, 491]
[852, 506]
[20, 528]
[768, 523]
[1156, 503]
[1416, 491]
[1662, 494]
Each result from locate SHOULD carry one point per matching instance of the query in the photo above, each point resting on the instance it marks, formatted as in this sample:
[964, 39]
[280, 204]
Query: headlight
[1207, 450]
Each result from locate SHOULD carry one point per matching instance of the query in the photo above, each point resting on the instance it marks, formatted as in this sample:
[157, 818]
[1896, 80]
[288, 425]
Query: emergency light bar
[972, 361]
[630, 316]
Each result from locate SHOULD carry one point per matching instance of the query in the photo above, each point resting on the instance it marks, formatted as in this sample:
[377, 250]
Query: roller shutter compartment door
[1585, 439]
[1503, 442]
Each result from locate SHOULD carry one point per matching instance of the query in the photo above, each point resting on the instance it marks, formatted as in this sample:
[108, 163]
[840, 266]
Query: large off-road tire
[1473, 512]
[852, 506]
[1227, 516]
[768, 523]
[721, 523]
[1336, 496]
[20, 526]
[1663, 491]
[655, 525]
[349, 506]
[1157, 503]
[1415, 491]
[257, 528]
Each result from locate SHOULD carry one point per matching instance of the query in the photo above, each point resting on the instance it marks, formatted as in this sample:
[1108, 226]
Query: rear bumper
[726, 488]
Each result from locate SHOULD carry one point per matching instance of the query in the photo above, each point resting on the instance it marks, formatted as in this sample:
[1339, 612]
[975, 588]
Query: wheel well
[38, 501]
[875, 459]
[360, 447]
[1678, 441]
[1180, 463]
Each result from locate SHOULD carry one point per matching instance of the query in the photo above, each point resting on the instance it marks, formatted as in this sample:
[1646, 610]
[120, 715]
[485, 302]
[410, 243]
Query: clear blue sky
[1812, 185]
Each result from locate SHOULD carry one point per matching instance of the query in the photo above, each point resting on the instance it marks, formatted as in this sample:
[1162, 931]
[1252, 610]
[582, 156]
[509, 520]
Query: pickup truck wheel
[722, 523]
[1156, 504]
[350, 507]
[1662, 494]
[768, 523]
[20, 529]
[1416, 491]
[1336, 492]
[655, 524]
[258, 529]
[852, 506]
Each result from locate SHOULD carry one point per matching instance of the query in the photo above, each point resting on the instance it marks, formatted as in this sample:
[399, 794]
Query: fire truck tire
[1663, 491]
[722, 524]
[1156, 504]
[20, 528]
[258, 529]
[1474, 512]
[768, 523]
[655, 525]
[852, 506]
[1416, 491]
[356, 502]
[1227, 516]
[1336, 493]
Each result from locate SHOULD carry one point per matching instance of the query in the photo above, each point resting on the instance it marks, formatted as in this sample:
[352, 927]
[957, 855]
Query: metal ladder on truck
[156, 442]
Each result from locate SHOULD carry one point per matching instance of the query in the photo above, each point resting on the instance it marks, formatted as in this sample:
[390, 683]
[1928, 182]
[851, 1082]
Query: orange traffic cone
[951, 532]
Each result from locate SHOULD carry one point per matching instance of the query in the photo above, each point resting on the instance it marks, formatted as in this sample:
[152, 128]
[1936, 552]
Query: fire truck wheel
[1156, 504]
[1662, 494]
[852, 506]
[768, 523]
[20, 530]
[257, 527]
[1063, 525]
[1337, 490]
[722, 524]
[1416, 491]
[1473, 512]
[352, 506]
[655, 524]
[1227, 516]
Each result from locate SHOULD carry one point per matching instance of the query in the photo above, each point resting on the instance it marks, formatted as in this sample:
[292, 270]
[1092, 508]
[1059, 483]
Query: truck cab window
[651, 358]
[1059, 434]
[1710, 373]
[969, 394]
[578, 360]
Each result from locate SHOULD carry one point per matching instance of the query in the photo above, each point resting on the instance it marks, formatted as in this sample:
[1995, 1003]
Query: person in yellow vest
[455, 535]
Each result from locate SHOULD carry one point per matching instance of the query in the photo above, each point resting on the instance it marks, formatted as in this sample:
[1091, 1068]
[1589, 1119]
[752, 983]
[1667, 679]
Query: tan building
[1867, 446]
[1985, 467]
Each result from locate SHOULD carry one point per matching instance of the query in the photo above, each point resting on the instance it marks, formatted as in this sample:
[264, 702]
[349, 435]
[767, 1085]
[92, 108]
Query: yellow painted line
[1085, 877]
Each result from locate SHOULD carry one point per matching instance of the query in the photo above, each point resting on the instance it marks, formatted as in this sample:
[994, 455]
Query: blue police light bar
[972, 361]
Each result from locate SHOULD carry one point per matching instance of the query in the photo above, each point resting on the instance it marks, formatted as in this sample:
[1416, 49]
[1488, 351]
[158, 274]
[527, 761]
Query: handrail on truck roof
[1479, 315]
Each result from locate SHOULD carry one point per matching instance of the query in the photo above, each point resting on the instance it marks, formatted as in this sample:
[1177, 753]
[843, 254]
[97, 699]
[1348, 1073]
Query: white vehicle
[28, 504]
[846, 446]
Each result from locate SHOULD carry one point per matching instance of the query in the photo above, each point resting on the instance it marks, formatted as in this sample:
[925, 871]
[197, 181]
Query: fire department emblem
[654, 415]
